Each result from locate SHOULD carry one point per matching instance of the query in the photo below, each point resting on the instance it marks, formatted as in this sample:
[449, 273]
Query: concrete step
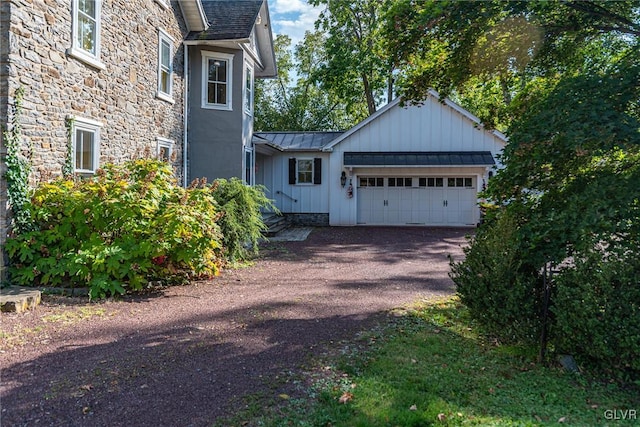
[275, 224]
[17, 299]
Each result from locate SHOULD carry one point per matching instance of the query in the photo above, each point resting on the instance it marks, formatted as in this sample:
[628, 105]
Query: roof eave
[194, 15]
[267, 53]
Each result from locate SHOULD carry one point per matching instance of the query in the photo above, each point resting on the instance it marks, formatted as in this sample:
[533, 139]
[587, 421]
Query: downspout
[185, 112]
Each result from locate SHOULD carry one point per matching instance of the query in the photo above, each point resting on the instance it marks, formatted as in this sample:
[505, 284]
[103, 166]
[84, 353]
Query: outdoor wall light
[343, 179]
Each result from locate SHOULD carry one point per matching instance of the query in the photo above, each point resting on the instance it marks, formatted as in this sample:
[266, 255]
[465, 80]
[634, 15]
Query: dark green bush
[117, 231]
[596, 308]
[241, 225]
[498, 285]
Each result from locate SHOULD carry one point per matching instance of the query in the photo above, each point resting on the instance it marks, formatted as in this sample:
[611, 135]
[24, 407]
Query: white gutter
[185, 112]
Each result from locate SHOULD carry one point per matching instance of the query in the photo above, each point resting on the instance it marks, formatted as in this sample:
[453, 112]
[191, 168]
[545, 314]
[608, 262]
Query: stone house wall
[36, 35]
[122, 96]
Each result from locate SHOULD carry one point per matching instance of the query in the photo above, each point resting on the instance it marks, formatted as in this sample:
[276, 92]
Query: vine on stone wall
[68, 167]
[18, 169]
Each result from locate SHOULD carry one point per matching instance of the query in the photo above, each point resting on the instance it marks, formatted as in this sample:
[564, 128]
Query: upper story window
[165, 66]
[248, 90]
[86, 145]
[86, 32]
[217, 72]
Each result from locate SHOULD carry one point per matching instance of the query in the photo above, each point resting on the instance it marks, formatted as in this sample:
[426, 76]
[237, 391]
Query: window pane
[165, 58]
[422, 182]
[392, 182]
[451, 182]
[221, 94]
[211, 93]
[86, 34]
[468, 182]
[84, 149]
[305, 171]
[213, 70]
[380, 182]
[363, 182]
[439, 182]
[432, 182]
[164, 81]
[88, 7]
[408, 182]
[459, 182]
[163, 154]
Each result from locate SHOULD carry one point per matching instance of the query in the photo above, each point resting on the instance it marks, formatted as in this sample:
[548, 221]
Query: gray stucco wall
[215, 147]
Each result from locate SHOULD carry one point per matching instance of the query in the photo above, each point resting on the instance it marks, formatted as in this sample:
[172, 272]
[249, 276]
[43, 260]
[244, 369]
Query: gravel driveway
[186, 356]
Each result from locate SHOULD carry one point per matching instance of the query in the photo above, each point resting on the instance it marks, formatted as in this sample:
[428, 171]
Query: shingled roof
[228, 19]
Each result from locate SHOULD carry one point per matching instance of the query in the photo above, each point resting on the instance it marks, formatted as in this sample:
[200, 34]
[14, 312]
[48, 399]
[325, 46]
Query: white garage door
[430, 200]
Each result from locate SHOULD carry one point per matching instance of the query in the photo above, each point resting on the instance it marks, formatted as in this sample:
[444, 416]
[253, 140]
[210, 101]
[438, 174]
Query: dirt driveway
[186, 356]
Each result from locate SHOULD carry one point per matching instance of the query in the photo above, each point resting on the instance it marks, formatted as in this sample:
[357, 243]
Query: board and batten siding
[311, 198]
[433, 126]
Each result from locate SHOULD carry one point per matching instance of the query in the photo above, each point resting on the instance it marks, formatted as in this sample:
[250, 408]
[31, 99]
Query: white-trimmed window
[305, 171]
[217, 69]
[165, 67]
[248, 89]
[86, 145]
[165, 149]
[85, 44]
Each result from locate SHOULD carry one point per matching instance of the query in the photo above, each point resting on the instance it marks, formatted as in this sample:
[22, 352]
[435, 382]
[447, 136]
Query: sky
[292, 17]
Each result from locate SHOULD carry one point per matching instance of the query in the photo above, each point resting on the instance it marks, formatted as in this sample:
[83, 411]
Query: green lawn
[428, 366]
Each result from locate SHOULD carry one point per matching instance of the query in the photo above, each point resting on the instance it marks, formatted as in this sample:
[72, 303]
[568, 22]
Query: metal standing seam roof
[422, 158]
[228, 19]
[297, 141]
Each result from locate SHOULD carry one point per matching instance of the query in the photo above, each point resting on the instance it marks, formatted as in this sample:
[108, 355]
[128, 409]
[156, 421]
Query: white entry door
[389, 200]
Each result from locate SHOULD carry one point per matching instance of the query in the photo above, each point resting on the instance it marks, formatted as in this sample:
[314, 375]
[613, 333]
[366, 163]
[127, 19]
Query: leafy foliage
[18, 169]
[570, 186]
[452, 45]
[502, 289]
[117, 231]
[241, 224]
[562, 78]
[357, 69]
[296, 101]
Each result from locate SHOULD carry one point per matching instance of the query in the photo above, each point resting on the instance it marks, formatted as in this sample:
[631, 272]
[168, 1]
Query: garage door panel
[433, 201]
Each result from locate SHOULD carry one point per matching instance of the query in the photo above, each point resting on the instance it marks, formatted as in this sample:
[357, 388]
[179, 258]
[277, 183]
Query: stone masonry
[35, 37]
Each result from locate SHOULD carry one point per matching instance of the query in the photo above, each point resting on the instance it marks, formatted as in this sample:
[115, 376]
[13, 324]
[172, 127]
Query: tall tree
[357, 69]
[567, 74]
[458, 46]
[295, 101]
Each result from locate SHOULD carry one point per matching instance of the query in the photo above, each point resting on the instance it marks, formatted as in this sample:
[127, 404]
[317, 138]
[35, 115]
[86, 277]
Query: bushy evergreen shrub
[117, 231]
[241, 223]
[596, 310]
[497, 283]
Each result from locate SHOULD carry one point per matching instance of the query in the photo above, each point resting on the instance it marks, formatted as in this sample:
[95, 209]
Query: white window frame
[76, 50]
[163, 37]
[87, 125]
[165, 4]
[298, 160]
[250, 167]
[249, 89]
[217, 56]
[167, 144]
